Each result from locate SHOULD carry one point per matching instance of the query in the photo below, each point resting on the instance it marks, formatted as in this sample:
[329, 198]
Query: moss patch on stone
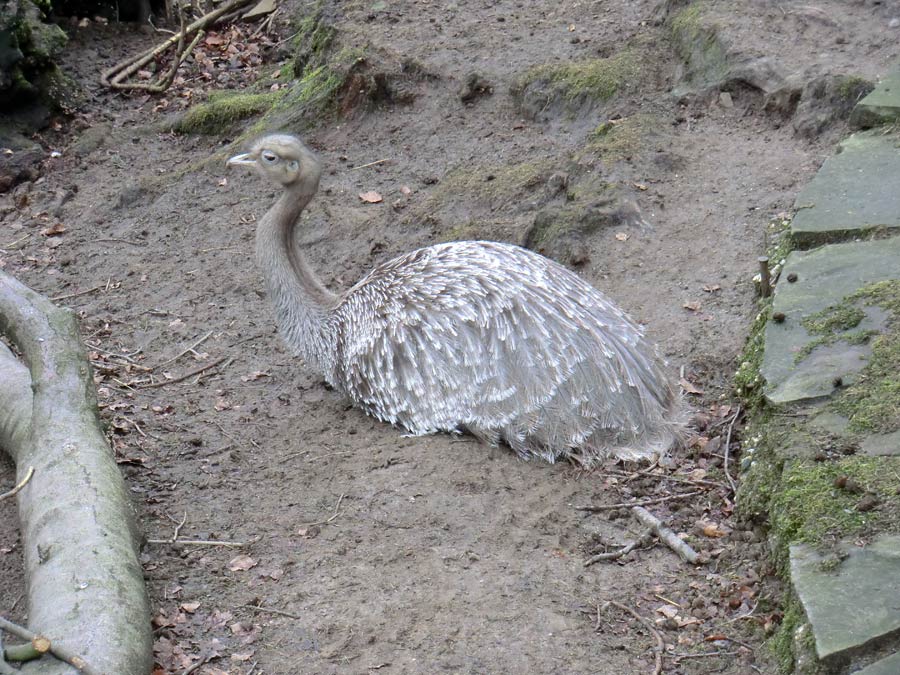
[809, 506]
[872, 403]
[223, 111]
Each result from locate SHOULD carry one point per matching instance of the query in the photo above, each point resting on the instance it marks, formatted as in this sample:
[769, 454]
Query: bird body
[475, 336]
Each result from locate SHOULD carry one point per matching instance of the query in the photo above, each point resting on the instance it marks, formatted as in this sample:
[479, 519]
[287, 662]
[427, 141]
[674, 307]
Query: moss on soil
[620, 139]
[594, 79]
[223, 110]
[697, 42]
[494, 185]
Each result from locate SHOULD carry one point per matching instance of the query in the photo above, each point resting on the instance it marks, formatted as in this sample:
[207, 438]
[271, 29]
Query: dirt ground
[363, 550]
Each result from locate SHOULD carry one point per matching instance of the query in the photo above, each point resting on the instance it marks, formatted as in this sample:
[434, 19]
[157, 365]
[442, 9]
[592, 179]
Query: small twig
[197, 371]
[646, 502]
[75, 295]
[9, 247]
[744, 616]
[364, 166]
[178, 525]
[197, 542]
[61, 653]
[682, 657]
[728, 450]
[333, 515]
[660, 645]
[643, 540]
[185, 351]
[666, 536]
[120, 241]
[21, 484]
[271, 610]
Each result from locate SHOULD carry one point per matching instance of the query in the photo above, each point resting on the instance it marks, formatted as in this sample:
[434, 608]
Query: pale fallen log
[85, 583]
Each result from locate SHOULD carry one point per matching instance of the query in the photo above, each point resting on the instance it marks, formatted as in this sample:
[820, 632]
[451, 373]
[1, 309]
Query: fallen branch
[114, 77]
[85, 583]
[666, 536]
[646, 502]
[660, 645]
[41, 644]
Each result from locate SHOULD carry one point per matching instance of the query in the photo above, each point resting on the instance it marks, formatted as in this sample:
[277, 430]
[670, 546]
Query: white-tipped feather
[478, 336]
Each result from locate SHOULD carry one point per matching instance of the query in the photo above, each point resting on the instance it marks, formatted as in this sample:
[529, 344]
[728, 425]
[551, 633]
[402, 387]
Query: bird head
[281, 158]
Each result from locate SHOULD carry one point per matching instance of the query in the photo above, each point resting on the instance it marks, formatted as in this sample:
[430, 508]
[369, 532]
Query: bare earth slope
[381, 553]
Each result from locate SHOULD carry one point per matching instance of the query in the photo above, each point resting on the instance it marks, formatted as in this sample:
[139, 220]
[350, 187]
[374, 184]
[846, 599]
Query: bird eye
[269, 156]
[294, 165]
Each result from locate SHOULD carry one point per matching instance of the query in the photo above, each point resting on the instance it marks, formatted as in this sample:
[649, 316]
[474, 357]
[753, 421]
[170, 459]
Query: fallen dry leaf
[713, 288]
[255, 375]
[242, 563]
[190, 607]
[404, 189]
[53, 230]
[694, 306]
[223, 182]
[688, 387]
[622, 236]
[668, 611]
[713, 530]
[370, 197]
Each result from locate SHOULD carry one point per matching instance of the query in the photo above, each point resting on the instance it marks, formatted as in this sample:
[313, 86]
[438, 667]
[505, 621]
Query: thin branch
[193, 346]
[61, 653]
[646, 502]
[187, 376]
[728, 450]
[197, 542]
[660, 645]
[643, 540]
[75, 295]
[666, 536]
[271, 610]
[365, 166]
[22, 483]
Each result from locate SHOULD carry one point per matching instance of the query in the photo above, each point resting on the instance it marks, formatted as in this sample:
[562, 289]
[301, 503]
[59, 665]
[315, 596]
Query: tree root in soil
[85, 583]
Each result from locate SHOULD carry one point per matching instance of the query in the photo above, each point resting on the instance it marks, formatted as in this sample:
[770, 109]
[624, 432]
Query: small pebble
[792, 277]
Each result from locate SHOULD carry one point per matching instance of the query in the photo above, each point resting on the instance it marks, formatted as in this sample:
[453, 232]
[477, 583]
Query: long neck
[302, 303]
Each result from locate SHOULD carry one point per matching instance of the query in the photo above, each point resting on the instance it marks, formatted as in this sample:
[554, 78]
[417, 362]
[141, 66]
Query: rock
[848, 606]
[887, 666]
[826, 276]
[827, 99]
[28, 47]
[20, 160]
[854, 191]
[882, 105]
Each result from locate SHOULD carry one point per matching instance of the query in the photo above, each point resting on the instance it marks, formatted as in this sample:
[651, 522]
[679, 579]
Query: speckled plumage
[470, 336]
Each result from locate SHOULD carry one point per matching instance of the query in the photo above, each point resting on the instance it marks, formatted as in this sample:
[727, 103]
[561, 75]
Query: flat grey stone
[854, 604]
[854, 191]
[887, 666]
[881, 106]
[825, 276]
[882, 445]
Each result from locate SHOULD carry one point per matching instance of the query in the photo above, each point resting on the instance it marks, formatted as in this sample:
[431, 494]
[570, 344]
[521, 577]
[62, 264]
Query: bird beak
[241, 159]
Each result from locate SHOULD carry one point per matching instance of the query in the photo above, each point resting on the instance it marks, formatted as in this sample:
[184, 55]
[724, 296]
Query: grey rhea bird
[473, 336]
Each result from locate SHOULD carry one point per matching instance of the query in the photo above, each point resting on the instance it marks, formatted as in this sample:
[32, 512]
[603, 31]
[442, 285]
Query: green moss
[620, 139]
[841, 318]
[495, 186]
[697, 42]
[594, 79]
[872, 403]
[312, 40]
[747, 379]
[223, 110]
[853, 87]
[783, 643]
[809, 508]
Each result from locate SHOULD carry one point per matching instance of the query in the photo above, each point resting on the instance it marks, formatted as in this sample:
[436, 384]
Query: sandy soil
[372, 552]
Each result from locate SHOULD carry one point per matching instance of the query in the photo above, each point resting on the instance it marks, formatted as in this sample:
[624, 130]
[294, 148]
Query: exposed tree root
[85, 584]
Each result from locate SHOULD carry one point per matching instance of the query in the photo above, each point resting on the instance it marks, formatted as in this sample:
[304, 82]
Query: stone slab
[881, 445]
[854, 191]
[887, 666]
[854, 604]
[825, 276]
[881, 106]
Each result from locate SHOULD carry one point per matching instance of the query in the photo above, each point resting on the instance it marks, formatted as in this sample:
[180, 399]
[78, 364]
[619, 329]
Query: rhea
[470, 336]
